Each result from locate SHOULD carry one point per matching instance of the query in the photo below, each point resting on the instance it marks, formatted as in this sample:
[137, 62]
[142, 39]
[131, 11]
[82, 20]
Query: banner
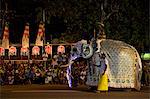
[25, 38]
[5, 40]
[39, 39]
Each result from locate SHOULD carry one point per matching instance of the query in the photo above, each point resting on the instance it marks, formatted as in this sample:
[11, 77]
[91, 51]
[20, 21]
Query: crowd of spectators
[50, 72]
[41, 72]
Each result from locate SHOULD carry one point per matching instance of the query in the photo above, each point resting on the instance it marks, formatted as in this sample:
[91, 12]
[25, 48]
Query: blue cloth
[103, 66]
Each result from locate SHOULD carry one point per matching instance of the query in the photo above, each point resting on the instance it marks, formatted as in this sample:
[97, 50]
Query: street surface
[63, 92]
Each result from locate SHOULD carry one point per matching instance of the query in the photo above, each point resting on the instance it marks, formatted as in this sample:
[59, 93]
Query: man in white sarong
[68, 75]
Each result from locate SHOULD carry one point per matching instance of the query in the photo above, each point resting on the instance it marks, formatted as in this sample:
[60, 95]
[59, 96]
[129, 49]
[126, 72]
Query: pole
[44, 15]
[44, 41]
[3, 16]
[29, 47]
[94, 34]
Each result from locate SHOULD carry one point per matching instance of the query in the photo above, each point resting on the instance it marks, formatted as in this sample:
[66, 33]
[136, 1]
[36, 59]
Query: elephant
[124, 64]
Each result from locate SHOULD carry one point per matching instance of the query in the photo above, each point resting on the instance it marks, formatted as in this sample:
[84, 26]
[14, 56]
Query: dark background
[77, 19]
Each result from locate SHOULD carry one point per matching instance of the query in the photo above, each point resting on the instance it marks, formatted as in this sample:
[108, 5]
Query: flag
[40, 35]
[25, 38]
[5, 40]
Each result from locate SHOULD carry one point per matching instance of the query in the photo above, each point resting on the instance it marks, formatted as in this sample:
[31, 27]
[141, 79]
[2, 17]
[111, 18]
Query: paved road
[63, 92]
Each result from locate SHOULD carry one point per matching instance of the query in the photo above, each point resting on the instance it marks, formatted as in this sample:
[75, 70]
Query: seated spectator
[146, 73]
[29, 75]
[60, 58]
[49, 77]
[22, 78]
[55, 77]
[10, 79]
[54, 62]
[38, 77]
[1, 76]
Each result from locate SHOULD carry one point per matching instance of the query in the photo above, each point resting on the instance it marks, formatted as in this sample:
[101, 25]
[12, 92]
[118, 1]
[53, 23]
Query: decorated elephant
[124, 64]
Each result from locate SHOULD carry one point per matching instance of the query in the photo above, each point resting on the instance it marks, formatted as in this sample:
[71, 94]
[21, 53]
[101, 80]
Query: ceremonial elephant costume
[124, 64]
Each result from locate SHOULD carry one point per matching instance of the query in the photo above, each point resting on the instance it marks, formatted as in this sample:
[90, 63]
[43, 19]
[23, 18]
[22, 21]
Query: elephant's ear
[87, 51]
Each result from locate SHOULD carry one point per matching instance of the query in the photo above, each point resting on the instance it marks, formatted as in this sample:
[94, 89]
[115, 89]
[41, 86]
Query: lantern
[2, 51]
[12, 51]
[48, 49]
[24, 51]
[61, 49]
[35, 50]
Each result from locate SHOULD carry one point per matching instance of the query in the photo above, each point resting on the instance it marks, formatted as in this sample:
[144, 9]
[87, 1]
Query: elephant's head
[81, 50]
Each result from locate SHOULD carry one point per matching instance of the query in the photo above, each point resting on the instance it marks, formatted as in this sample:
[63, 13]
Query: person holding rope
[103, 78]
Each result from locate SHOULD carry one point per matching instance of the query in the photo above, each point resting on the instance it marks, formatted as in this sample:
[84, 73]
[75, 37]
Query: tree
[125, 20]
[130, 24]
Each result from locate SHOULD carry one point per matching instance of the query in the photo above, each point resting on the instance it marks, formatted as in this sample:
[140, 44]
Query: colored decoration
[2, 51]
[48, 49]
[12, 51]
[24, 51]
[61, 49]
[35, 50]
[145, 56]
